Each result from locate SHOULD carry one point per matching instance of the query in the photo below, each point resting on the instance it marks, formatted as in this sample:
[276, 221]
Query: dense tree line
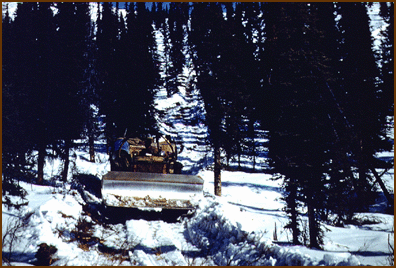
[304, 72]
[58, 64]
[44, 80]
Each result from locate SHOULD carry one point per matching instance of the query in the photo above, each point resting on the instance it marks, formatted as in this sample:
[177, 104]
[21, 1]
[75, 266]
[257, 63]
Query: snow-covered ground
[235, 229]
[243, 227]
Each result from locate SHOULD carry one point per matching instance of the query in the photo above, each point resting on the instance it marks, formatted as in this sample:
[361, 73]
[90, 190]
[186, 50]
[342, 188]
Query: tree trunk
[239, 160]
[313, 228]
[40, 164]
[293, 212]
[217, 171]
[254, 155]
[67, 161]
[91, 148]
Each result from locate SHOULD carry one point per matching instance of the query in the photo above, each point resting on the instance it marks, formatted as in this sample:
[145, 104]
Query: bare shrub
[13, 235]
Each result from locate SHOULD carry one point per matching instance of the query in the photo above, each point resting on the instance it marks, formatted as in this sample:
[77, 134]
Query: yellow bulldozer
[145, 174]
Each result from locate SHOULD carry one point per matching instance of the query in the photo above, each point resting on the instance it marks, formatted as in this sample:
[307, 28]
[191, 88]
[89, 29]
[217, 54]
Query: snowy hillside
[236, 229]
[243, 227]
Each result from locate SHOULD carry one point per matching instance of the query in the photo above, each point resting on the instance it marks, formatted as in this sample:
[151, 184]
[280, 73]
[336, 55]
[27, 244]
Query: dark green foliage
[107, 67]
[226, 72]
[207, 28]
[224, 61]
[45, 81]
[299, 130]
[70, 86]
[28, 84]
[13, 149]
[320, 83]
[292, 209]
[142, 74]
[358, 89]
[174, 42]
[53, 72]
[387, 54]
[128, 71]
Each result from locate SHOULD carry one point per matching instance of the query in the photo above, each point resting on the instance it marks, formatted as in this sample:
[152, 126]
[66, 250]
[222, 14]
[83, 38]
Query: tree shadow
[157, 250]
[252, 186]
[19, 256]
[262, 211]
[195, 166]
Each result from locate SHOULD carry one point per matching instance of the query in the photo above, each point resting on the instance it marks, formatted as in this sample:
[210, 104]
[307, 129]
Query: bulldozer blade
[150, 190]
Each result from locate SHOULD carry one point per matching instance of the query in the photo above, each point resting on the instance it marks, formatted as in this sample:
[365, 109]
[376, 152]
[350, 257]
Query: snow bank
[224, 239]
[154, 244]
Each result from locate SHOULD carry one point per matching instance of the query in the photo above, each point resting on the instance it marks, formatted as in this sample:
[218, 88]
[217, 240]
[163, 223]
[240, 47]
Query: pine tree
[387, 56]
[339, 169]
[359, 90]
[207, 24]
[386, 92]
[106, 73]
[170, 79]
[140, 74]
[91, 98]
[174, 41]
[299, 129]
[73, 24]
[224, 61]
[32, 73]
[244, 79]
[14, 164]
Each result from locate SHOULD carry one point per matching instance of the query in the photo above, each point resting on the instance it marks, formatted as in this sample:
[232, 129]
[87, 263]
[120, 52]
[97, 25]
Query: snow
[235, 229]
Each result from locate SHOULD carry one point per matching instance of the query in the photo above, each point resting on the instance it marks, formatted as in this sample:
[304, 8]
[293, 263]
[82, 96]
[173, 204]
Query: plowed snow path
[159, 243]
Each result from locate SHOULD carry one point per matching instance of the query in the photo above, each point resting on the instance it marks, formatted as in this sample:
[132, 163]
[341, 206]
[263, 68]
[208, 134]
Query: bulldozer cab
[151, 155]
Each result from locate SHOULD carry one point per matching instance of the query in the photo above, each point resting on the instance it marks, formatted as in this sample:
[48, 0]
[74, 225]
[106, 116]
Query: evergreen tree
[299, 129]
[14, 164]
[207, 25]
[32, 73]
[339, 168]
[359, 90]
[129, 72]
[174, 41]
[170, 75]
[386, 92]
[140, 74]
[44, 79]
[243, 78]
[224, 61]
[71, 85]
[387, 56]
[91, 98]
[106, 65]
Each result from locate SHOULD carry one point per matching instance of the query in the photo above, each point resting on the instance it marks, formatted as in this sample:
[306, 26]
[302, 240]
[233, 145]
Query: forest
[305, 73]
